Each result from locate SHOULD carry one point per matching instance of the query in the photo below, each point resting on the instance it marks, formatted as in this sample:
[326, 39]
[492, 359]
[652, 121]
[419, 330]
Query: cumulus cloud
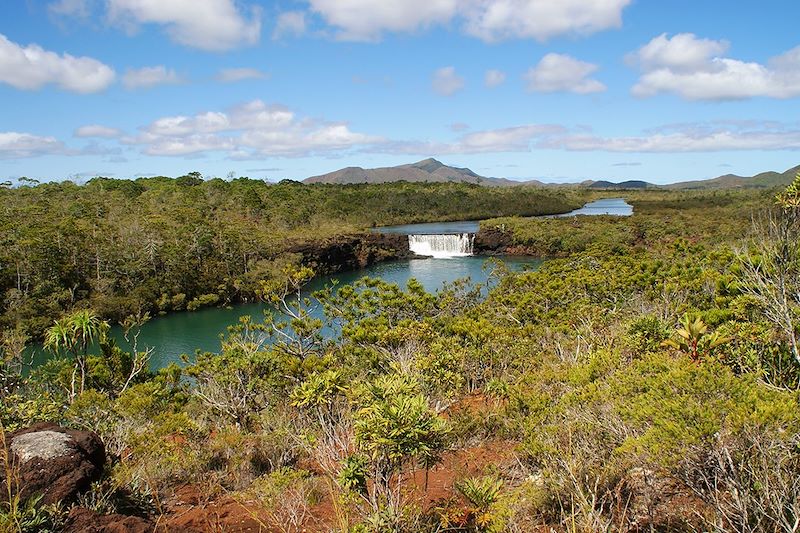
[97, 130]
[15, 145]
[489, 20]
[147, 77]
[231, 75]
[250, 130]
[32, 67]
[494, 78]
[289, 24]
[495, 20]
[562, 73]
[214, 25]
[683, 52]
[446, 81]
[694, 69]
[367, 20]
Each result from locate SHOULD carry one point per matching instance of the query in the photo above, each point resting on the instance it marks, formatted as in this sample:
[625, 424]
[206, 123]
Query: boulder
[82, 520]
[492, 241]
[53, 461]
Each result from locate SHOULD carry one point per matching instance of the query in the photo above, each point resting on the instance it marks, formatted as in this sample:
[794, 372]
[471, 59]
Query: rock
[492, 241]
[56, 462]
[82, 520]
[349, 252]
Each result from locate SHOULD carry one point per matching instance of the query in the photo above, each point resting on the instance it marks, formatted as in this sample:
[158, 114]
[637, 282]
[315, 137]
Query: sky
[556, 90]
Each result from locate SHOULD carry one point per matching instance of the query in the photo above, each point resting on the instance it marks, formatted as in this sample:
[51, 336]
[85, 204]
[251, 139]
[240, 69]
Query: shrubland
[643, 378]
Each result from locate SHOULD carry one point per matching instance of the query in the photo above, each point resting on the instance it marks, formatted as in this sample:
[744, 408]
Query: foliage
[124, 247]
[614, 418]
[693, 338]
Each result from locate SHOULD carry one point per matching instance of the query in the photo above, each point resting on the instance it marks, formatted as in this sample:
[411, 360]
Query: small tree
[771, 266]
[292, 325]
[74, 334]
[693, 338]
[397, 432]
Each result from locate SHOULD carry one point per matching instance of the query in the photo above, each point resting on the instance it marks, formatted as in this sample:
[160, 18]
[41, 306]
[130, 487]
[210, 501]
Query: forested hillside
[159, 244]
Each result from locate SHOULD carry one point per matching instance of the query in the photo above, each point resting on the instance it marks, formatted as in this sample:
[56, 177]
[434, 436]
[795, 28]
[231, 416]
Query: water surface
[604, 206]
[184, 332]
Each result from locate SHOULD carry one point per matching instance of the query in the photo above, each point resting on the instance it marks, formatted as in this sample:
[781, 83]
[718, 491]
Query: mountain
[765, 180]
[429, 170]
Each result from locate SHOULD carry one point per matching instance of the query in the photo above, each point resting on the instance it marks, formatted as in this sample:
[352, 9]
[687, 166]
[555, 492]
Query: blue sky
[555, 90]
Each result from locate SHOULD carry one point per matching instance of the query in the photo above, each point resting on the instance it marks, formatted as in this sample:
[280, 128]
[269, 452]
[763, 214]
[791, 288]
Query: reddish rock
[82, 520]
[56, 462]
[492, 241]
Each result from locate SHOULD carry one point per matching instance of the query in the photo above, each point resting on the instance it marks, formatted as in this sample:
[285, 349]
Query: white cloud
[214, 25]
[14, 145]
[289, 24]
[693, 69]
[683, 52]
[495, 20]
[146, 77]
[512, 139]
[97, 130]
[558, 72]
[489, 20]
[230, 75]
[32, 67]
[702, 137]
[717, 136]
[494, 78]
[250, 130]
[367, 20]
[446, 81]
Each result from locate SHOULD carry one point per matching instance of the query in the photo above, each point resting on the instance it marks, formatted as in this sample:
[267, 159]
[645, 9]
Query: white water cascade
[442, 246]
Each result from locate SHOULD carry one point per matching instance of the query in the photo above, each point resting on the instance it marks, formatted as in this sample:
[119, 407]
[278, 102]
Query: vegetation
[643, 379]
[127, 247]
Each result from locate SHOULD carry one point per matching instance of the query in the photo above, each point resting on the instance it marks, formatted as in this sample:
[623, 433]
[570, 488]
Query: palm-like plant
[74, 334]
[483, 493]
[693, 338]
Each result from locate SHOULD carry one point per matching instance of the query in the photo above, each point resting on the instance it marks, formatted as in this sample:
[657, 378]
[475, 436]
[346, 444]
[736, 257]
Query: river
[176, 334]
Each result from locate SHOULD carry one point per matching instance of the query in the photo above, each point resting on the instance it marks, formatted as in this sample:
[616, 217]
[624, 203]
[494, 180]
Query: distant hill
[765, 180]
[630, 184]
[429, 170]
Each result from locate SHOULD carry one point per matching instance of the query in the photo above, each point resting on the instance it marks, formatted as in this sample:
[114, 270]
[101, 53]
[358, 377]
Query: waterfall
[457, 245]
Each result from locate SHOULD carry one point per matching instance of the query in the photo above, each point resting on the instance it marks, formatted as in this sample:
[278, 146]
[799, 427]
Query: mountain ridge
[433, 170]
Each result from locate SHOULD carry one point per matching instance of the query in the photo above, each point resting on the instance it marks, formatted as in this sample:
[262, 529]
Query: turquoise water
[183, 333]
[176, 334]
[604, 206]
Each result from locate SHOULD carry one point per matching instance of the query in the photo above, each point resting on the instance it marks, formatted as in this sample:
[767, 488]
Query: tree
[74, 334]
[396, 431]
[771, 266]
[295, 330]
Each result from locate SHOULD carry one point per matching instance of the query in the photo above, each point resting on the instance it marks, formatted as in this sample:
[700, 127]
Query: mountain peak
[427, 170]
[428, 165]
